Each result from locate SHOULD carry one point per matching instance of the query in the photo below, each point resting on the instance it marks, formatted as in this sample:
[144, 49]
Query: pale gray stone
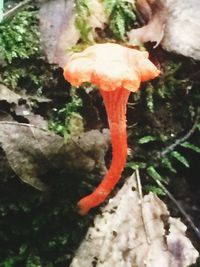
[182, 32]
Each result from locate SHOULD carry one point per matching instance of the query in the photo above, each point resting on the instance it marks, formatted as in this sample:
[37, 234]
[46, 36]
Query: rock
[182, 32]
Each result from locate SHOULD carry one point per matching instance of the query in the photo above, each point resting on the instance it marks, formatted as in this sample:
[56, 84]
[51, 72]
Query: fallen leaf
[154, 12]
[25, 153]
[33, 152]
[8, 95]
[58, 31]
[98, 18]
[136, 233]
[24, 114]
[11, 97]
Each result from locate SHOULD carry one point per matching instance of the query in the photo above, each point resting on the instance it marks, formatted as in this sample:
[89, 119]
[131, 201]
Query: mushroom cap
[110, 66]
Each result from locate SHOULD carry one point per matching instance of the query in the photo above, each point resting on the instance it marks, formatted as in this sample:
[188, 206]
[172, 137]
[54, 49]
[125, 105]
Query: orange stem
[115, 103]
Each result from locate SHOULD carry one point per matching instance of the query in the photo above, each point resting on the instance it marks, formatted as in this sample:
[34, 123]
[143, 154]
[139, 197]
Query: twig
[23, 124]
[171, 147]
[132, 126]
[15, 9]
[139, 187]
[180, 208]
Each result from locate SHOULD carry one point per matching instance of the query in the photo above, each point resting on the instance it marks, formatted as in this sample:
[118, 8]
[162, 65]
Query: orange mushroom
[116, 70]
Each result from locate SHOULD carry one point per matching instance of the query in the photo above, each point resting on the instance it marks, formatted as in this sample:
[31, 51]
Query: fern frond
[121, 15]
[109, 5]
[180, 158]
[146, 139]
[82, 20]
[191, 146]
[152, 172]
[167, 164]
[117, 24]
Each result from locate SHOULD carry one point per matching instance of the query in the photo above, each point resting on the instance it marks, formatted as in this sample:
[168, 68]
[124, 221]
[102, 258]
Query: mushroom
[117, 71]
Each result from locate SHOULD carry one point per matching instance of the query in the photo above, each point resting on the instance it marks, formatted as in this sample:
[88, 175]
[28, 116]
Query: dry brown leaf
[22, 146]
[58, 31]
[11, 97]
[8, 95]
[154, 12]
[129, 233]
[98, 18]
[33, 152]
[57, 26]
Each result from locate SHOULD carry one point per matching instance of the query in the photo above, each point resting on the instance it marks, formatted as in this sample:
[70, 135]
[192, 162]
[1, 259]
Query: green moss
[19, 37]
[23, 64]
[167, 117]
[82, 20]
[67, 121]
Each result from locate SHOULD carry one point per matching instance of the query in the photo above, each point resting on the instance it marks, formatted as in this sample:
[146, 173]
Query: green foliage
[26, 75]
[171, 104]
[153, 173]
[198, 126]
[23, 64]
[146, 139]
[121, 15]
[1, 10]
[191, 146]
[40, 230]
[165, 89]
[168, 84]
[154, 189]
[19, 37]
[167, 164]
[67, 120]
[149, 97]
[136, 165]
[180, 158]
[82, 20]
[32, 261]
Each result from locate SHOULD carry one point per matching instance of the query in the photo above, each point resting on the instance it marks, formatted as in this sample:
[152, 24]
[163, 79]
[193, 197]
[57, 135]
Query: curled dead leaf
[98, 17]
[8, 95]
[154, 13]
[33, 152]
[135, 233]
[58, 31]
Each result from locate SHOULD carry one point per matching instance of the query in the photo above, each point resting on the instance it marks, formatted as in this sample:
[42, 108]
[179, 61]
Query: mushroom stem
[115, 103]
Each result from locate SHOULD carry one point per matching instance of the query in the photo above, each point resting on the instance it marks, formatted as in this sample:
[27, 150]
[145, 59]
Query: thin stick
[23, 124]
[171, 147]
[15, 9]
[139, 187]
[180, 208]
